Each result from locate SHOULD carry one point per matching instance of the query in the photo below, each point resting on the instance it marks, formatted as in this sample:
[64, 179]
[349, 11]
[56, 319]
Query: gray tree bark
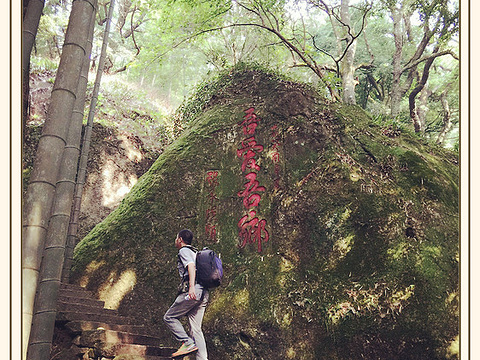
[397, 93]
[39, 196]
[401, 15]
[50, 272]
[72, 239]
[447, 120]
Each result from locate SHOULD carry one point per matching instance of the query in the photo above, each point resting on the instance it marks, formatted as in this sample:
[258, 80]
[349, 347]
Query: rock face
[339, 237]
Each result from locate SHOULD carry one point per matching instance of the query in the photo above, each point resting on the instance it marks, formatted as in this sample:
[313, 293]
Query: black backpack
[209, 268]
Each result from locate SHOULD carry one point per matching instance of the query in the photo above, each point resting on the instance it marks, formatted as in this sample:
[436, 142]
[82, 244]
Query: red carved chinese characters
[249, 198]
[211, 183]
[250, 122]
[248, 152]
[251, 228]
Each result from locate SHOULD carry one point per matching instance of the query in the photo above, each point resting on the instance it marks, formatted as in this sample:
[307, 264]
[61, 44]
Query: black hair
[186, 235]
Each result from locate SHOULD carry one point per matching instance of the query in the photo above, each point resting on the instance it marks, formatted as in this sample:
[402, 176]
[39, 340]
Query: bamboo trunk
[72, 238]
[39, 197]
[49, 283]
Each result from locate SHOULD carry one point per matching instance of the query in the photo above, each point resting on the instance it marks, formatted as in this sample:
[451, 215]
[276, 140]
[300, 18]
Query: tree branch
[133, 30]
[425, 58]
[349, 31]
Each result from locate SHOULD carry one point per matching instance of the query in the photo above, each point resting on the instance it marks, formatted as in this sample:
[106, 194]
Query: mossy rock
[352, 251]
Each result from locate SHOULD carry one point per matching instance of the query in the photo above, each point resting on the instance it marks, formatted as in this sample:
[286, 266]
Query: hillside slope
[121, 147]
[339, 237]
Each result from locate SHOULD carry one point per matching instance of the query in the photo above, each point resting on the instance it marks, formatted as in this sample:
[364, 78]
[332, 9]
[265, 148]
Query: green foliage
[178, 44]
[42, 63]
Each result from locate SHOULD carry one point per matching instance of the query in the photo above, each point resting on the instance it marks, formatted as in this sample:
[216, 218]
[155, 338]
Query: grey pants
[194, 310]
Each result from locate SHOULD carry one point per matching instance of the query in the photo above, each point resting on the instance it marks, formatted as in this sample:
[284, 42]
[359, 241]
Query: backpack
[209, 268]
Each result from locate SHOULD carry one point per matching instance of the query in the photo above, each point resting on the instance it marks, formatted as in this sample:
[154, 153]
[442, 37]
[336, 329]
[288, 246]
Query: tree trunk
[347, 70]
[51, 268]
[398, 89]
[396, 94]
[422, 106]
[72, 238]
[33, 11]
[39, 196]
[417, 124]
[447, 121]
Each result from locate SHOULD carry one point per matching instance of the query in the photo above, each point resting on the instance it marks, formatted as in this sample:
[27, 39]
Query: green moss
[361, 229]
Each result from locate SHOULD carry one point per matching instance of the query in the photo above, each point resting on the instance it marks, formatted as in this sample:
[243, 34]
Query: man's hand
[191, 293]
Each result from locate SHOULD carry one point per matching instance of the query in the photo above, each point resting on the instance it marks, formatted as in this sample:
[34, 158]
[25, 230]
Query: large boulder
[339, 236]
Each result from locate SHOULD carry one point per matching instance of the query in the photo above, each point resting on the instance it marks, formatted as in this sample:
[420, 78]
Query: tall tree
[445, 24]
[347, 70]
[39, 196]
[285, 29]
[447, 119]
[346, 44]
[436, 16]
[72, 238]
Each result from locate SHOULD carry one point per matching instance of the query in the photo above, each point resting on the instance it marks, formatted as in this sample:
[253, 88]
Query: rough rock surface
[339, 237]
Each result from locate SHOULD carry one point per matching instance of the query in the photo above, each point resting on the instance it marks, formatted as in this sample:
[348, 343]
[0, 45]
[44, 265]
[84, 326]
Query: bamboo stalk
[72, 239]
[49, 283]
[40, 192]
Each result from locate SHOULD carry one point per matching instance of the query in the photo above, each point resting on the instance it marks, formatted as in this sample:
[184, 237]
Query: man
[191, 301]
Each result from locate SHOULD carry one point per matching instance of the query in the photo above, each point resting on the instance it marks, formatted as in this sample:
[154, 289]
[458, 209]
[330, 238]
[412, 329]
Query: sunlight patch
[340, 249]
[454, 348]
[113, 292]
[115, 184]
[242, 299]
[132, 153]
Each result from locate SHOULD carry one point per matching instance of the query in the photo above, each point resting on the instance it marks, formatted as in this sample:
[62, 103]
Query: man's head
[186, 236]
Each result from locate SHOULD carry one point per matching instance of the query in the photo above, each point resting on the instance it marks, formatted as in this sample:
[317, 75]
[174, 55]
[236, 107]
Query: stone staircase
[84, 329]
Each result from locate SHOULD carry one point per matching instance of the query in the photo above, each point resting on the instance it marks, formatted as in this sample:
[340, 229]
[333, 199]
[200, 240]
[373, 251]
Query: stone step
[79, 326]
[151, 357]
[71, 286]
[109, 333]
[91, 337]
[84, 308]
[117, 350]
[76, 293]
[81, 301]
[104, 318]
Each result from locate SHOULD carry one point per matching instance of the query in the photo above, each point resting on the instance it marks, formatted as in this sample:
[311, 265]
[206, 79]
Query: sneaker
[185, 349]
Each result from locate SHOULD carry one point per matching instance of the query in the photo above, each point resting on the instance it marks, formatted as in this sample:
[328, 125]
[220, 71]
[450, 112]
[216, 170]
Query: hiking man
[191, 301]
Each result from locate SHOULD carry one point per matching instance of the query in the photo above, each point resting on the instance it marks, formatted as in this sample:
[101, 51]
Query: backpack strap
[193, 248]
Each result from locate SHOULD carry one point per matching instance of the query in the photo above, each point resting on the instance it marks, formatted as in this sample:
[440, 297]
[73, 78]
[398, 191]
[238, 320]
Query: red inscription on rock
[251, 228]
[211, 183]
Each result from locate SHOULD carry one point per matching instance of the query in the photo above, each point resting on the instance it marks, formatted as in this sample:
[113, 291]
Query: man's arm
[191, 278]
